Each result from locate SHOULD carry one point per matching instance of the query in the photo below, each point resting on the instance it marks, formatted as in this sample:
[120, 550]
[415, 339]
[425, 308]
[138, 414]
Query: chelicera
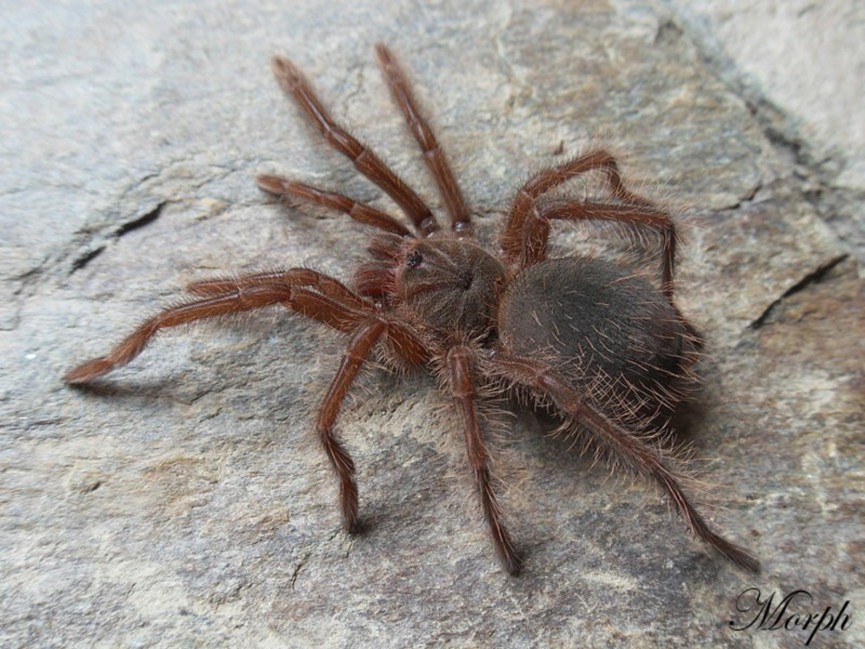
[595, 342]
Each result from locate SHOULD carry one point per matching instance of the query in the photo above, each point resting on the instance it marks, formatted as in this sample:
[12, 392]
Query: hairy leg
[633, 451]
[360, 212]
[537, 229]
[294, 83]
[289, 277]
[462, 388]
[310, 293]
[252, 297]
[432, 153]
[547, 179]
[306, 291]
[359, 347]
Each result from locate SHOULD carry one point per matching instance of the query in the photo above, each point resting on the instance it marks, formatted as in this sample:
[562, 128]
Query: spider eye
[414, 259]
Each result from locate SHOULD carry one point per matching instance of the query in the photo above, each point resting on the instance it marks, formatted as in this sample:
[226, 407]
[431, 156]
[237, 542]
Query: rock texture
[804, 82]
[183, 500]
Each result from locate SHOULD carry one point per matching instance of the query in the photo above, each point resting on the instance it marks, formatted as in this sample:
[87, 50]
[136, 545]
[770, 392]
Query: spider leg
[630, 449]
[325, 299]
[366, 330]
[328, 301]
[286, 278]
[364, 336]
[360, 345]
[537, 229]
[552, 177]
[360, 212]
[423, 134]
[251, 297]
[403, 340]
[331, 303]
[462, 389]
[294, 83]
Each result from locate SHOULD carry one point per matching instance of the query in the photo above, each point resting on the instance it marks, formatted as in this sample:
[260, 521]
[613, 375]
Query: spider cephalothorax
[598, 344]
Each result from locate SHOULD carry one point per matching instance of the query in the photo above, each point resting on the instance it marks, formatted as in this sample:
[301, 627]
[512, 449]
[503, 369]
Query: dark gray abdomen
[614, 335]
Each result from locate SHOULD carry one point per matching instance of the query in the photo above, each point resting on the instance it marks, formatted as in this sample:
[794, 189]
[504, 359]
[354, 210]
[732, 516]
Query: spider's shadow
[158, 390]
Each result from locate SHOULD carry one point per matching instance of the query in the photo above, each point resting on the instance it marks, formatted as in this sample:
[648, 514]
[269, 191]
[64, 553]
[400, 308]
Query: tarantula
[599, 345]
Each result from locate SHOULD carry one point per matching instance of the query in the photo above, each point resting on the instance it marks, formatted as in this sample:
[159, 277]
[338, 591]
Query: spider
[595, 342]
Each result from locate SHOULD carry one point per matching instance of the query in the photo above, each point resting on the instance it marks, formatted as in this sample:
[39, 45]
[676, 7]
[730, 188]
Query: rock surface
[804, 82]
[183, 500]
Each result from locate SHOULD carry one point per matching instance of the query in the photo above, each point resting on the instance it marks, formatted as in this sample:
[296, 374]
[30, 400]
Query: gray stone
[800, 65]
[183, 500]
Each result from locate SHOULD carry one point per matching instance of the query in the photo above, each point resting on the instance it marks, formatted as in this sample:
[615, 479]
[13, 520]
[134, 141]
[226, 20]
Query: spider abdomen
[610, 332]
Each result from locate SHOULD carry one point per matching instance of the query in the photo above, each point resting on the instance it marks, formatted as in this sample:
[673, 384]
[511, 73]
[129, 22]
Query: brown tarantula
[600, 346]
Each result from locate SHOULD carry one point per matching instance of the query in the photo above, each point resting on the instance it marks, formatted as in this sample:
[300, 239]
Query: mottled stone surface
[801, 66]
[184, 501]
